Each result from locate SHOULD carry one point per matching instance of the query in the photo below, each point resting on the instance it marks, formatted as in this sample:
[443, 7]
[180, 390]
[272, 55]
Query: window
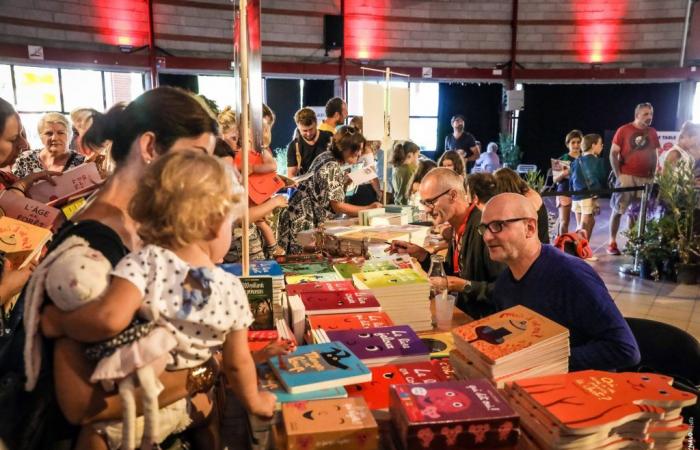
[423, 109]
[696, 104]
[34, 91]
[221, 89]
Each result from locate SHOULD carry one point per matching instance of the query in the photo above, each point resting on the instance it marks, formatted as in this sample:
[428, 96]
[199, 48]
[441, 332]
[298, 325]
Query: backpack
[575, 244]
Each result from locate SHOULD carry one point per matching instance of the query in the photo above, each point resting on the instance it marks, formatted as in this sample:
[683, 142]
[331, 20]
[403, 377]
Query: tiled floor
[675, 304]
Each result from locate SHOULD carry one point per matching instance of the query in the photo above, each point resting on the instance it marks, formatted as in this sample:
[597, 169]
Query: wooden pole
[387, 130]
[245, 132]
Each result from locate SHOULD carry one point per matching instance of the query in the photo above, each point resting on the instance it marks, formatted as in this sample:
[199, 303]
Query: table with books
[371, 372]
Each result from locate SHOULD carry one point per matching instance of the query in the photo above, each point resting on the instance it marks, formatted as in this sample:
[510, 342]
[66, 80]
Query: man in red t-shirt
[633, 160]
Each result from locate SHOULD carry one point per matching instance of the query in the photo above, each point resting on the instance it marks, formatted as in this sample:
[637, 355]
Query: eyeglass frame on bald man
[430, 203]
[481, 228]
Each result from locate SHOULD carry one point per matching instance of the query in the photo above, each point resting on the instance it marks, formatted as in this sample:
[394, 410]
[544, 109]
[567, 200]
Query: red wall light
[597, 30]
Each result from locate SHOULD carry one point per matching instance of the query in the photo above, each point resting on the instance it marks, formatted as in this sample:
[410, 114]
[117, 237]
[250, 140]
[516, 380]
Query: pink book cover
[72, 182]
[27, 210]
[320, 286]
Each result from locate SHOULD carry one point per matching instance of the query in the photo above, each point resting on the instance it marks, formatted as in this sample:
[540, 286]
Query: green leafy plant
[678, 196]
[535, 180]
[510, 151]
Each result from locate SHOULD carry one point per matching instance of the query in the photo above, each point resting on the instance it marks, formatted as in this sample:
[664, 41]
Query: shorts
[585, 206]
[172, 419]
[620, 201]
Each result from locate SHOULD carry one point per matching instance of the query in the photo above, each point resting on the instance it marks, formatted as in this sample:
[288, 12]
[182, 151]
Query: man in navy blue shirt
[560, 287]
[461, 142]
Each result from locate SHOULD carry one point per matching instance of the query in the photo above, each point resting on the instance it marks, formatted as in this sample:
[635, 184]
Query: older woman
[159, 121]
[321, 196]
[54, 131]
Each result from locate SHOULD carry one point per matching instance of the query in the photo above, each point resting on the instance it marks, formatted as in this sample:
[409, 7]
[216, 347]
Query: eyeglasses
[429, 203]
[496, 226]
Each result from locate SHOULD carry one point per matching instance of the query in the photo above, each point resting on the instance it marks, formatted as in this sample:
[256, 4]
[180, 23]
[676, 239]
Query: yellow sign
[70, 209]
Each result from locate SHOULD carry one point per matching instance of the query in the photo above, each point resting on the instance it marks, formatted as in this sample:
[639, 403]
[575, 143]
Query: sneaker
[613, 250]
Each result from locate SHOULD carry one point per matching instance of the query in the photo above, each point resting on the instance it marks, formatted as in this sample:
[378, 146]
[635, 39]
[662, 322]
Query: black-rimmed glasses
[496, 226]
[429, 203]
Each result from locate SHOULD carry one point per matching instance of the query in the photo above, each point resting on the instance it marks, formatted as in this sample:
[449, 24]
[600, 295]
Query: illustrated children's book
[306, 268]
[339, 302]
[453, 415]
[262, 186]
[320, 286]
[21, 242]
[269, 382]
[386, 345]
[507, 334]
[260, 293]
[27, 210]
[439, 343]
[337, 424]
[257, 268]
[72, 183]
[319, 366]
[356, 321]
[312, 277]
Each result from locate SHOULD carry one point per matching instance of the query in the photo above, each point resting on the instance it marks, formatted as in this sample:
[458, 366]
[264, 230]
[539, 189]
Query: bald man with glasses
[470, 271]
[559, 286]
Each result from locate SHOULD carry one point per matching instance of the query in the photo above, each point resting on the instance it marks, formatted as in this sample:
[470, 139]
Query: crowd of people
[167, 214]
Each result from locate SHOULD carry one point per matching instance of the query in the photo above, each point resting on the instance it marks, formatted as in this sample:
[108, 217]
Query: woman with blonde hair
[54, 130]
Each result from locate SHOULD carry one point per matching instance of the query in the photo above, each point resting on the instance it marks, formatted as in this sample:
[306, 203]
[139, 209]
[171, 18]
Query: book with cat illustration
[21, 242]
[592, 409]
[269, 382]
[335, 424]
[319, 366]
[453, 415]
[386, 345]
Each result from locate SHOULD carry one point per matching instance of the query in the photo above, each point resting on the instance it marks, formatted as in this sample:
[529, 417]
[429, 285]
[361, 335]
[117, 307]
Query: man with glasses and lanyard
[470, 271]
[561, 287]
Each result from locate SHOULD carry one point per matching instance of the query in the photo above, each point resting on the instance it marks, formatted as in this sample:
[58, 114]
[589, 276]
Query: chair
[526, 168]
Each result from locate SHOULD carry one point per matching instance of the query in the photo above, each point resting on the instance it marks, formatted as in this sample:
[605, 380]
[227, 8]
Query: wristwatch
[467, 287]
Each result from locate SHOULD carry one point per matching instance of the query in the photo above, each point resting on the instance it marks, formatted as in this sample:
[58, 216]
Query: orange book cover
[504, 333]
[588, 401]
[21, 241]
[332, 322]
[330, 424]
[262, 186]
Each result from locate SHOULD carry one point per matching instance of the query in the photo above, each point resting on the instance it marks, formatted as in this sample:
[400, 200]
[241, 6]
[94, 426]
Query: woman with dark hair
[320, 197]
[453, 160]
[159, 121]
[405, 162]
[424, 166]
[508, 180]
[573, 144]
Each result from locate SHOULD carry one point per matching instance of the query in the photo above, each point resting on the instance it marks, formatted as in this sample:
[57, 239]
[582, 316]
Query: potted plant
[678, 197]
[510, 152]
[653, 248]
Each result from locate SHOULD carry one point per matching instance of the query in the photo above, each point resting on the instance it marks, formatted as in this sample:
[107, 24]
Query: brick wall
[437, 33]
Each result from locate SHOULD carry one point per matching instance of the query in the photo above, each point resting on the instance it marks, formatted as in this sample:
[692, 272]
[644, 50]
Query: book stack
[319, 366]
[594, 410]
[510, 345]
[311, 303]
[336, 424]
[316, 325]
[392, 262]
[389, 215]
[269, 382]
[376, 392]
[415, 234]
[453, 415]
[380, 346]
[264, 288]
[306, 268]
[404, 295]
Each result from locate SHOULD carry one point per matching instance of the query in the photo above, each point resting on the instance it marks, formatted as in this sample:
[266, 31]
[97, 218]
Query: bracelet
[15, 188]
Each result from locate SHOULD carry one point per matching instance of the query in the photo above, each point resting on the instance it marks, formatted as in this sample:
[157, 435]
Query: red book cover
[262, 186]
[422, 372]
[330, 322]
[453, 415]
[75, 181]
[376, 392]
[258, 339]
[321, 286]
[331, 302]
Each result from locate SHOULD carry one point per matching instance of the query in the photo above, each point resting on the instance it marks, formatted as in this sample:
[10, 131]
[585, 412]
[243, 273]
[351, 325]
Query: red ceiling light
[597, 29]
[123, 22]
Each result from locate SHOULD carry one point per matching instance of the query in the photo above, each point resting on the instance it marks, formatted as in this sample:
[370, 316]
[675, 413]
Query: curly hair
[227, 119]
[174, 208]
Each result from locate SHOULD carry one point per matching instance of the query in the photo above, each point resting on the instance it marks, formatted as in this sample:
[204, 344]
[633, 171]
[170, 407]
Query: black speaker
[187, 82]
[332, 31]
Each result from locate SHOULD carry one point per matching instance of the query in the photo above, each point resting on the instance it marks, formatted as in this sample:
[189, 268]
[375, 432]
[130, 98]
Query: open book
[73, 183]
[558, 166]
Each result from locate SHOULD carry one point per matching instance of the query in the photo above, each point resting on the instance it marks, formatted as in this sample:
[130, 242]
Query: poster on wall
[667, 139]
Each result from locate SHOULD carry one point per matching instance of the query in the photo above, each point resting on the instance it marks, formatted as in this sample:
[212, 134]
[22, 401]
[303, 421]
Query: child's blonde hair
[227, 119]
[183, 198]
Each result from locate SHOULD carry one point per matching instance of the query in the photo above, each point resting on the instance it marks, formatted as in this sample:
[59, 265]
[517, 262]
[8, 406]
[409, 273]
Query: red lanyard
[456, 250]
